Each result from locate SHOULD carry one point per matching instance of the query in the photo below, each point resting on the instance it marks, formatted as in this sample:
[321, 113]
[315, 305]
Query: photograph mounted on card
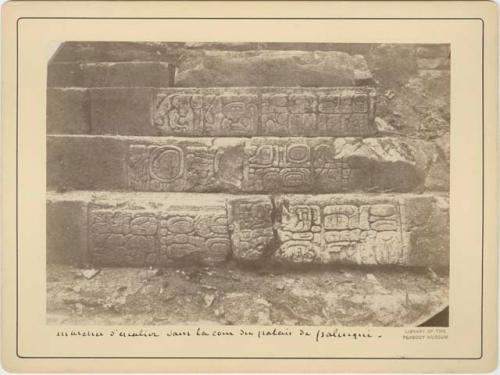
[263, 188]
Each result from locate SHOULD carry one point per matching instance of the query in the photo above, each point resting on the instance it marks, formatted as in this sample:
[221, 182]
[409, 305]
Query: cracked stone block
[110, 74]
[254, 165]
[144, 230]
[223, 112]
[208, 68]
[251, 227]
[404, 230]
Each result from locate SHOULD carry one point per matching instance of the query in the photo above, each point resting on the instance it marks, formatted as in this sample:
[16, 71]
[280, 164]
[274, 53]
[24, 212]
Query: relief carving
[184, 166]
[350, 233]
[264, 111]
[250, 220]
[178, 114]
[141, 238]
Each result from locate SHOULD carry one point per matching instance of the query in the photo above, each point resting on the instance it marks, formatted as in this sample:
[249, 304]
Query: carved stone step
[110, 74]
[223, 112]
[277, 165]
[142, 229]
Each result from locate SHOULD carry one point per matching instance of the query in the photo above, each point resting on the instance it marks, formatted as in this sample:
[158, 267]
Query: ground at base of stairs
[234, 296]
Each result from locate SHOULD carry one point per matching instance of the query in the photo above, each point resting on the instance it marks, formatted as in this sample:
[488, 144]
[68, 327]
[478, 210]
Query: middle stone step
[307, 165]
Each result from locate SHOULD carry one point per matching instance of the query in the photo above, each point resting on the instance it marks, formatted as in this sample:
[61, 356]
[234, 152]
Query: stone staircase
[160, 155]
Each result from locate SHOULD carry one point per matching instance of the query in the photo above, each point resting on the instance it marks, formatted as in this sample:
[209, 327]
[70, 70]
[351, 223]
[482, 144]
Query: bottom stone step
[161, 229]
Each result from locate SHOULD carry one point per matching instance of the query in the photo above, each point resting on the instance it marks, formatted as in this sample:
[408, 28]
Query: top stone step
[122, 64]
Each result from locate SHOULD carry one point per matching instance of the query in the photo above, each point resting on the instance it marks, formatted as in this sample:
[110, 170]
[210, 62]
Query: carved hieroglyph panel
[265, 111]
[318, 112]
[185, 166]
[206, 112]
[251, 227]
[296, 165]
[150, 237]
[350, 232]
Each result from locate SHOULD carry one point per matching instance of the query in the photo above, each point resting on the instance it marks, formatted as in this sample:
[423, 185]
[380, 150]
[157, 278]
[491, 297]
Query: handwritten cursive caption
[317, 335]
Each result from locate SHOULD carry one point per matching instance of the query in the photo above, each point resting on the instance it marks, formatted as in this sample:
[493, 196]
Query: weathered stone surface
[271, 68]
[110, 74]
[413, 87]
[222, 112]
[251, 227]
[265, 165]
[363, 230]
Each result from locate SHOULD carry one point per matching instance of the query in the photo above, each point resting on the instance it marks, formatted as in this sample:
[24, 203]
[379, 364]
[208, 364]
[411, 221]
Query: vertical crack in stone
[230, 229]
[274, 244]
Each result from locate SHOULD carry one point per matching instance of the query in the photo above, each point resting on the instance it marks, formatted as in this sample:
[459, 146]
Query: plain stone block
[125, 111]
[86, 163]
[68, 111]
[67, 230]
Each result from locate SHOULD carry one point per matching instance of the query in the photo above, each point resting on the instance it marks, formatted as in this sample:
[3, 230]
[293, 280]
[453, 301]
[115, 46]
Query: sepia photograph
[248, 186]
[256, 183]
